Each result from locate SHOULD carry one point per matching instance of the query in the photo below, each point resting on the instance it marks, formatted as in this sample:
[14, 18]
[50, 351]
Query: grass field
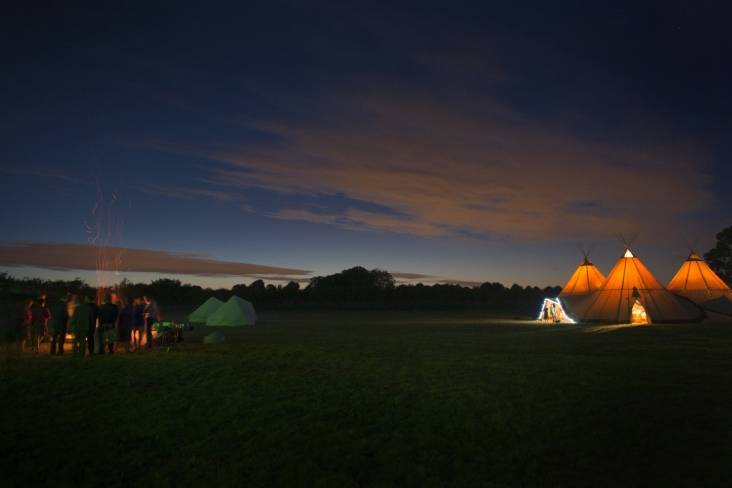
[349, 399]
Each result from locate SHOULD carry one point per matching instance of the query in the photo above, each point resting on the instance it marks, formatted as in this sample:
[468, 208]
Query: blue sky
[460, 142]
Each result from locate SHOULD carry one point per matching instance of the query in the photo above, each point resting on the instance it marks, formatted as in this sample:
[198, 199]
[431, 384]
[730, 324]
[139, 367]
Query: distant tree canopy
[719, 257]
[354, 288]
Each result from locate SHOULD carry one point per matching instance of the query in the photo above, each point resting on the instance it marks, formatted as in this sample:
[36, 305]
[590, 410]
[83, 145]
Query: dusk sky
[438, 142]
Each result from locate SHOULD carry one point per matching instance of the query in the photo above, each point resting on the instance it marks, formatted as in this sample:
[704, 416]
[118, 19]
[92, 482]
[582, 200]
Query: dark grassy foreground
[346, 400]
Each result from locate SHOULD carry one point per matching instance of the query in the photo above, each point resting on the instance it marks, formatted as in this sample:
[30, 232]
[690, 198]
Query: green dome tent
[201, 314]
[235, 312]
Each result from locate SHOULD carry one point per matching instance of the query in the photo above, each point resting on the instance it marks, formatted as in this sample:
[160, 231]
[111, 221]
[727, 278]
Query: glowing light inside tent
[553, 312]
[628, 254]
[638, 314]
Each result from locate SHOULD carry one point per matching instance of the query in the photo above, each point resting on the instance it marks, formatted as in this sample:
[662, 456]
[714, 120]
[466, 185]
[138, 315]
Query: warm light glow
[553, 312]
[628, 254]
[638, 314]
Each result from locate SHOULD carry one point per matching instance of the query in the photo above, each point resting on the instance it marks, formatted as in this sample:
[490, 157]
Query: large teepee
[696, 281]
[235, 312]
[585, 279]
[201, 314]
[631, 293]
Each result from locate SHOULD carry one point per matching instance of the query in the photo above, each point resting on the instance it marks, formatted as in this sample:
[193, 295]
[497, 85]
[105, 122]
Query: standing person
[125, 323]
[92, 332]
[138, 326]
[82, 320]
[26, 333]
[58, 324]
[38, 316]
[108, 313]
[151, 316]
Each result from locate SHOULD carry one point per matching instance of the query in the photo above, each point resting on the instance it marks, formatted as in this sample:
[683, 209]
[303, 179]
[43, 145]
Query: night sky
[439, 142]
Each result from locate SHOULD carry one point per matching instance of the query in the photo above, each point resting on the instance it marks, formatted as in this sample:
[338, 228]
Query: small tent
[697, 281]
[552, 312]
[631, 294]
[585, 279]
[201, 314]
[235, 312]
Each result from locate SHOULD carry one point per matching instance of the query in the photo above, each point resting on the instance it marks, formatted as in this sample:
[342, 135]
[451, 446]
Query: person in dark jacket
[138, 327]
[57, 325]
[125, 323]
[108, 313]
[92, 332]
[81, 321]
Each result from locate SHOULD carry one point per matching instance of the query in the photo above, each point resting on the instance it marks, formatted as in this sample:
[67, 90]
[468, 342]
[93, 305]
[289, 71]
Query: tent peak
[628, 254]
[694, 257]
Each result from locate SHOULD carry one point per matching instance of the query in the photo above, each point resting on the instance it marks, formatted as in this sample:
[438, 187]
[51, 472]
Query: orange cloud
[86, 257]
[446, 169]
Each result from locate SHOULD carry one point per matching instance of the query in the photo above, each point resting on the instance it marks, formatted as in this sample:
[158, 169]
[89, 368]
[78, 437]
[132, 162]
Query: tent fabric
[696, 281]
[585, 279]
[234, 313]
[721, 305]
[201, 314]
[628, 281]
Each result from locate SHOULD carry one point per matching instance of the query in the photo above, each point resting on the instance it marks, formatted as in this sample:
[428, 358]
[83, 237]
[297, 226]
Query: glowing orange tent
[697, 281]
[585, 279]
[631, 294]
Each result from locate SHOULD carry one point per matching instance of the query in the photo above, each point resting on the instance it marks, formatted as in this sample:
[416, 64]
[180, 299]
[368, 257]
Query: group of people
[98, 329]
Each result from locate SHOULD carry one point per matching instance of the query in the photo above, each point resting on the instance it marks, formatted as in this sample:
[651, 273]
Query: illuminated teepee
[697, 281]
[631, 294]
[585, 279]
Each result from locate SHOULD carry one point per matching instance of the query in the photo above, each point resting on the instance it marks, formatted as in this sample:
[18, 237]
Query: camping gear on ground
[214, 338]
[167, 333]
[235, 312]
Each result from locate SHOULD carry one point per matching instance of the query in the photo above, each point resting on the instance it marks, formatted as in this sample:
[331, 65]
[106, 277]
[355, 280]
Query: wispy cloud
[43, 172]
[85, 257]
[446, 169]
[61, 256]
[191, 192]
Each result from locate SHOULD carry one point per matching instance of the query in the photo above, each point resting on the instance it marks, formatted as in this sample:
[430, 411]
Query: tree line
[354, 288]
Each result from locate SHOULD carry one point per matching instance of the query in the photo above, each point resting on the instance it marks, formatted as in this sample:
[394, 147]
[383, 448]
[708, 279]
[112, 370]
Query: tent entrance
[552, 312]
[638, 314]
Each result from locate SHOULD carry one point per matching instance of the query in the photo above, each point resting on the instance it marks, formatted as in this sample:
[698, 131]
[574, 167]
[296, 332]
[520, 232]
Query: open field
[348, 399]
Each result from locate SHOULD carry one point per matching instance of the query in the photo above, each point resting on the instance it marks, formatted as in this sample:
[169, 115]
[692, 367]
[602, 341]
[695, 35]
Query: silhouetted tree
[719, 257]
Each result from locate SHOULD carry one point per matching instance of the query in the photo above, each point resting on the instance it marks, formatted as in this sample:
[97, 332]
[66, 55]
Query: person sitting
[108, 314]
